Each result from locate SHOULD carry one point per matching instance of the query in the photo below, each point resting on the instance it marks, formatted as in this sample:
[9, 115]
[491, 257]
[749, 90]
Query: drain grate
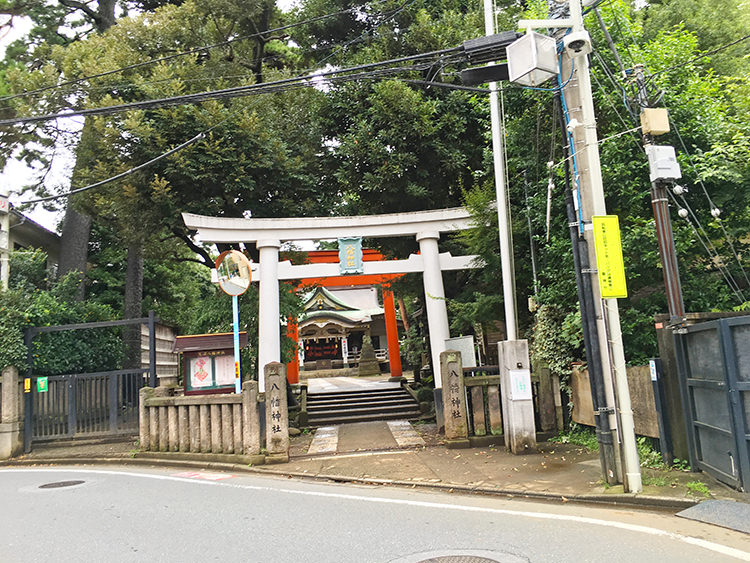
[60, 484]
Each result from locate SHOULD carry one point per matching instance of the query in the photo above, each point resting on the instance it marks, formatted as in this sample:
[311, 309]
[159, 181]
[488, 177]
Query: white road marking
[326, 440]
[203, 475]
[404, 433]
[711, 546]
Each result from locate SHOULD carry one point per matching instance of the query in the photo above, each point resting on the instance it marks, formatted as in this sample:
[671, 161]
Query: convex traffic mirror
[233, 269]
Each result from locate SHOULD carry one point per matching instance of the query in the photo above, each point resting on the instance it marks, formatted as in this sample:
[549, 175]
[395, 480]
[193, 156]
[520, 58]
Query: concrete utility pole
[588, 185]
[503, 216]
[4, 238]
[586, 147]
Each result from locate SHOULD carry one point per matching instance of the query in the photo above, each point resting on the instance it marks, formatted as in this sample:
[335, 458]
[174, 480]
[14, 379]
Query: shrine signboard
[208, 364]
[350, 256]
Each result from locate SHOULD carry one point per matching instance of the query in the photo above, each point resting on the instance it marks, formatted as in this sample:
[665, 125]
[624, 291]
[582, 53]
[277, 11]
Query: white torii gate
[268, 234]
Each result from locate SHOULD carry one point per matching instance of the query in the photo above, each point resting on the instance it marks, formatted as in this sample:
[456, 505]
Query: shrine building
[339, 311]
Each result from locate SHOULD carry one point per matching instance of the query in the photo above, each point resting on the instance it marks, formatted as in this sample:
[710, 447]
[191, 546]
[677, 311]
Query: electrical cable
[701, 56]
[714, 256]
[362, 35]
[170, 152]
[708, 198]
[572, 151]
[233, 92]
[183, 53]
[725, 272]
[713, 253]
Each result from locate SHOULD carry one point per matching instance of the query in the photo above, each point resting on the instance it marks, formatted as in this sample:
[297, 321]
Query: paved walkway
[382, 435]
[333, 384]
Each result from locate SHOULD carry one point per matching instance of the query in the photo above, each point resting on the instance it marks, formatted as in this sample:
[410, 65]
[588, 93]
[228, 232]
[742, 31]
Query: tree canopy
[387, 143]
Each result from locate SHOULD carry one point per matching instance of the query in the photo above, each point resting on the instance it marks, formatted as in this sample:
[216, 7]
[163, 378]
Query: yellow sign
[609, 263]
[27, 385]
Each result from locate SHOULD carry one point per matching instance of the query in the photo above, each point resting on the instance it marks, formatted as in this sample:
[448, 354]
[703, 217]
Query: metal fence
[87, 404]
[84, 404]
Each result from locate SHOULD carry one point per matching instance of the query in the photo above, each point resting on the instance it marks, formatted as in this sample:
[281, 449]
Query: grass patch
[649, 456]
[579, 436]
[698, 488]
[655, 480]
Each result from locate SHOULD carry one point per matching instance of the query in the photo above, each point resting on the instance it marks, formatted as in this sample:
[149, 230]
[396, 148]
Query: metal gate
[713, 360]
[84, 404]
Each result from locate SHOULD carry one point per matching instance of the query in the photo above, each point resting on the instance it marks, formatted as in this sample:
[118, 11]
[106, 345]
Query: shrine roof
[206, 342]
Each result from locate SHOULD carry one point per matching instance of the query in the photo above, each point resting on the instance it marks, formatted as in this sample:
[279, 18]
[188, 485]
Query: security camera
[577, 43]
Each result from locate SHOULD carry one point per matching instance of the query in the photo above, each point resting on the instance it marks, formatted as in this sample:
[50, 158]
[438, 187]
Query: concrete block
[518, 405]
[250, 418]
[227, 432]
[183, 424]
[11, 439]
[144, 418]
[194, 424]
[215, 429]
[11, 400]
[174, 432]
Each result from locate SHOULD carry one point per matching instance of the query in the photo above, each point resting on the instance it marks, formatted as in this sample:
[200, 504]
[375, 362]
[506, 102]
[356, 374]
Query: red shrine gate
[389, 309]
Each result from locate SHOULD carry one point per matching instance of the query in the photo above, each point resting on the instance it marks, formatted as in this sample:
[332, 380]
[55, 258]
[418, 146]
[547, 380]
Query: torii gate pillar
[437, 312]
[269, 339]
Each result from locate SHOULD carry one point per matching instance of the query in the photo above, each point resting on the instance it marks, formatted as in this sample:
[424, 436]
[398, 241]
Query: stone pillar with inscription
[518, 402]
[277, 414]
[454, 399]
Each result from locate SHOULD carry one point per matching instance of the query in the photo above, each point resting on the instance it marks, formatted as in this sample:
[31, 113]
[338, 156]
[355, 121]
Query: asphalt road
[159, 514]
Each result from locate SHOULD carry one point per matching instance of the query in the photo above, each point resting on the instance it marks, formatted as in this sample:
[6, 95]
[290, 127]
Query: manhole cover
[60, 484]
[459, 559]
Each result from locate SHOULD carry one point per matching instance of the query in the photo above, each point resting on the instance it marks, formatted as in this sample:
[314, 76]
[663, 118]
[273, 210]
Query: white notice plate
[520, 384]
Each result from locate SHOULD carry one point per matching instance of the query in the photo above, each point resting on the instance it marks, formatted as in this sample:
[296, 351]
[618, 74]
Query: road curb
[618, 499]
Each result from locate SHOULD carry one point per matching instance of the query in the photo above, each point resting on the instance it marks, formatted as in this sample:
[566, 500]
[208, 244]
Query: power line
[708, 198]
[710, 249]
[199, 136]
[701, 56]
[181, 54]
[238, 91]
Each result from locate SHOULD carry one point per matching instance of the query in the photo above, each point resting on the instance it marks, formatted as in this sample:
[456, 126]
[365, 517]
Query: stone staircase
[365, 405]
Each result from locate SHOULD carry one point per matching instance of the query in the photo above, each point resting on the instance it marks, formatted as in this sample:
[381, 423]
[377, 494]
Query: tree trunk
[74, 245]
[133, 305]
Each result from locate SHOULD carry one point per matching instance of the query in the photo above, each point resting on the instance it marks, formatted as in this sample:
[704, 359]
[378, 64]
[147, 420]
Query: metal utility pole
[664, 235]
[503, 216]
[4, 238]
